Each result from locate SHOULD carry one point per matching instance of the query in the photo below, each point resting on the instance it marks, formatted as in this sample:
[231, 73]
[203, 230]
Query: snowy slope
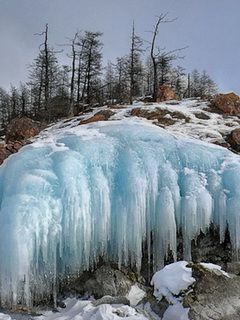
[202, 122]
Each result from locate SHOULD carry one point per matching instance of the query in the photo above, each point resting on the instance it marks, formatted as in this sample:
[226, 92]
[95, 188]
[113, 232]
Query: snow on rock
[211, 266]
[202, 123]
[102, 189]
[135, 295]
[172, 280]
[84, 310]
[176, 312]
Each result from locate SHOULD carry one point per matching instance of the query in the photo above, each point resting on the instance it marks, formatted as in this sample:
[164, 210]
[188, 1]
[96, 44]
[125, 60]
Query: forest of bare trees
[54, 91]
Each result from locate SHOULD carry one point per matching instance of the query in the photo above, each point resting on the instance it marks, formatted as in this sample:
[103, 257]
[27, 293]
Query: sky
[209, 28]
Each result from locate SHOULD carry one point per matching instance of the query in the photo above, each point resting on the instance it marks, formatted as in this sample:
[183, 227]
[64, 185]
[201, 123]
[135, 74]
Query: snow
[211, 129]
[135, 295]
[84, 310]
[211, 266]
[172, 280]
[102, 189]
[176, 312]
[4, 316]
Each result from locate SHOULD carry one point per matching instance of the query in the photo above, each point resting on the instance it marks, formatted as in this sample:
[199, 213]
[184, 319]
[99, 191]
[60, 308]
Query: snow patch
[176, 312]
[84, 310]
[135, 295]
[172, 280]
[211, 266]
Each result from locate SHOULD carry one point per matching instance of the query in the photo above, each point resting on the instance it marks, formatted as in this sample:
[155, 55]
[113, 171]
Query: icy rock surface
[102, 190]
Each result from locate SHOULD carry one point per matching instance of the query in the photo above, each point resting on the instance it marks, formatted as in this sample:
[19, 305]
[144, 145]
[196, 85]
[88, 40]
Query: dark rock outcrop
[214, 295]
[234, 139]
[104, 281]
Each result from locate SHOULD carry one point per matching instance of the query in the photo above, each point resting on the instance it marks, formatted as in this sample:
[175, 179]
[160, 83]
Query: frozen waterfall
[102, 190]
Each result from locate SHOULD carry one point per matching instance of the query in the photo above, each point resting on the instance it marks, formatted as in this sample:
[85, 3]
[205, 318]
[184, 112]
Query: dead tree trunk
[72, 87]
[46, 54]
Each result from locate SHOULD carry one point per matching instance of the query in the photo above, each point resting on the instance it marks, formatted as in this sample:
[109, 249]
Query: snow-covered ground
[212, 128]
[202, 122]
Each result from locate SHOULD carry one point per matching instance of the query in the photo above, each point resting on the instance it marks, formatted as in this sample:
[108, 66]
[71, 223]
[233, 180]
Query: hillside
[108, 183]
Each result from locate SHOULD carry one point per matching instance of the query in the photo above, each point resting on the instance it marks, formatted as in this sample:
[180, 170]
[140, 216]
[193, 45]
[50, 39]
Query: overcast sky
[210, 28]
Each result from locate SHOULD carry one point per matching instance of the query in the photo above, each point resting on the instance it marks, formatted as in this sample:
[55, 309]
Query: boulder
[104, 281]
[21, 129]
[228, 103]
[234, 139]
[166, 93]
[102, 115]
[214, 295]
[4, 153]
[18, 131]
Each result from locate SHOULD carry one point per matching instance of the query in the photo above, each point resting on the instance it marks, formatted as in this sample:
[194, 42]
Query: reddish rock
[228, 103]
[20, 129]
[13, 147]
[18, 132]
[4, 153]
[166, 93]
[236, 136]
[102, 115]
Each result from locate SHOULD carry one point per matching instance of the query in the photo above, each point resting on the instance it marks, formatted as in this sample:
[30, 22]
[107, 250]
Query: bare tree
[81, 45]
[154, 56]
[135, 68]
[73, 54]
[92, 58]
[24, 98]
[160, 55]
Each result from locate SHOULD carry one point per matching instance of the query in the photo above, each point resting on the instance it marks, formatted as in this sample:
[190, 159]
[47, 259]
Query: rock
[102, 115]
[158, 307]
[214, 296]
[234, 139]
[20, 129]
[13, 147]
[164, 117]
[228, 103]
[233, 267]
[4, 153]
[222, 143]
[201, 115]
[165, 93]
[105, 281]
[111, 300]
[207, 247]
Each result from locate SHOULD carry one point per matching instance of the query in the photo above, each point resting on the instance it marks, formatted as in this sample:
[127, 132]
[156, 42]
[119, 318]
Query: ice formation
[104, 189]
